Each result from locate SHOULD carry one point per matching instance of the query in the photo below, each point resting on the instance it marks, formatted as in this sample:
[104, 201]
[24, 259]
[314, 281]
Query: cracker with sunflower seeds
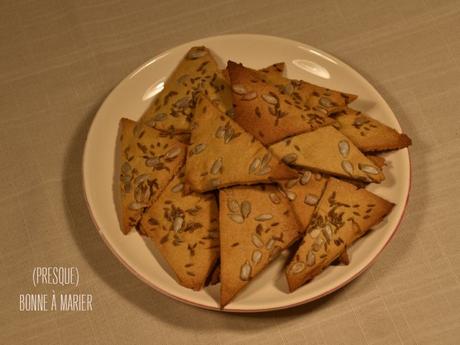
[329, 151]
[267, 113]
[315, 96]
[185, 229]
[344, 214]
[172, 109]
[275, 69]
[368, 134]
[148, 161]
[303, 193]
[256, 224]
[222, 154]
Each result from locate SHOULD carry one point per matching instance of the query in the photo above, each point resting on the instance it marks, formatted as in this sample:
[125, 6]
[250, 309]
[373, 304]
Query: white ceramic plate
[269, 290]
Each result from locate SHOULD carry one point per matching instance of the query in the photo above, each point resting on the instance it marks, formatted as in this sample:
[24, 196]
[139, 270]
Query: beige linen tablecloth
[60, 59]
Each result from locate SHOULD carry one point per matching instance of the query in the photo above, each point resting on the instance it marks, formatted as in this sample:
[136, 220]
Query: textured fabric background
[60, 59]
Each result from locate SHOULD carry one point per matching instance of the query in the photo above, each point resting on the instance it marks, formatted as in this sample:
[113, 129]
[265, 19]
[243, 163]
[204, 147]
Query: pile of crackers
[228, 168]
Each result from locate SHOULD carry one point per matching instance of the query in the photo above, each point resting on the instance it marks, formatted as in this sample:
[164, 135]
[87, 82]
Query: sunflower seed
[257, 241]
[264, 171]
[220, 132]
[196, 53]
[256, 256]
[178, 223]
[147, 194]
[287, 89]
[316, 247]
[319, 241]
[291, 195]
[344, 148]
[264, 217]
[359, 121]
[228, 135]
[266, 159]
[127, 187]
[183, 78]
[198, 148]
[177, 188]
[315, 233]
[239, 89]
[126, 168]
[327, 232]
[275, 198]
[159, 117]
[310, 258]
[173, 153]
[305, 177]
[138, 195]
[136, 206]
[245, 272]
[141, 178]
[255, 164]
[270, 244]
[321, 110]
[245, 209]
[152, 162]
[249, 96]
[291, 183]
[217, 166]
[269, 99]
[289, 158]
[125, 178]
[368, 169]
[347, 167]
[311, 199]
[237, 218]
[214, 182]
[325, 102]
[233, 205]
[336, 125]
[230, 112]
[183, 102]
[297, 267]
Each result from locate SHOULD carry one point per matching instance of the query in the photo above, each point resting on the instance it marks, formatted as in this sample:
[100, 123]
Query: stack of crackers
[228, 168]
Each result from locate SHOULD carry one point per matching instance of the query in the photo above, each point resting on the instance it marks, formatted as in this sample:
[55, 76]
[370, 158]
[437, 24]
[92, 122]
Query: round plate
[267, 291]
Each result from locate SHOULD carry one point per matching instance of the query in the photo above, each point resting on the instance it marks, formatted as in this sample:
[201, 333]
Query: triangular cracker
[275, 69]
[256, 224]
[368, 134]
[317, 97]
[304, 192]
[267, 113]
[223, 154]
[148, 161]
[172, 108]
[344, 214]
[185, 229]
[329, 151]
